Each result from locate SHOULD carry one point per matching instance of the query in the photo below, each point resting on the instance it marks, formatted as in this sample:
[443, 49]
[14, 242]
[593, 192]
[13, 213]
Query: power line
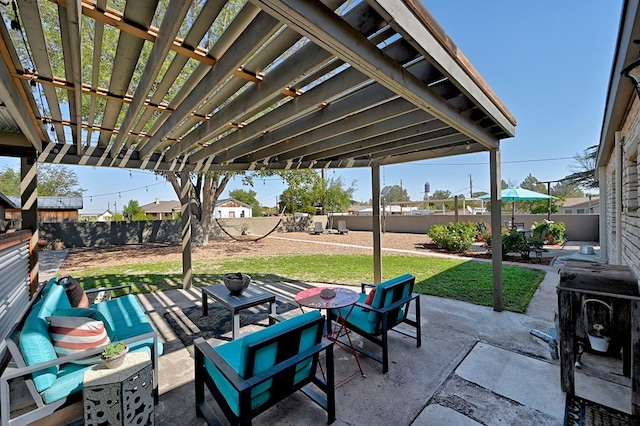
[486, 163]
[124, 190]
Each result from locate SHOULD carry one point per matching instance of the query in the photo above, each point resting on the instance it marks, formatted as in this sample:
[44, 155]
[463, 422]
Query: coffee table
[343, 297]
[252, 296]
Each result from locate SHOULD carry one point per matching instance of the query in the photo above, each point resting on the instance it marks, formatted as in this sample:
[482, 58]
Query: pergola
[187, 87]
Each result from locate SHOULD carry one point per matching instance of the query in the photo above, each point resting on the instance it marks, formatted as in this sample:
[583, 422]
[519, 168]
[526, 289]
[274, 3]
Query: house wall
[45, 215]
[629, 249]
[238, 212]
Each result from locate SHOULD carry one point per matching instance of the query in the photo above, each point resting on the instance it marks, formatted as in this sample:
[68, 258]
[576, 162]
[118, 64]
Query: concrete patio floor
[475, 366]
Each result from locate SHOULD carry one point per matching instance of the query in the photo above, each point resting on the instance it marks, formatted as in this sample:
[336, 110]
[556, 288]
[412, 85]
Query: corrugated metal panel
[62, 203]
[7, 123]
[14, 288]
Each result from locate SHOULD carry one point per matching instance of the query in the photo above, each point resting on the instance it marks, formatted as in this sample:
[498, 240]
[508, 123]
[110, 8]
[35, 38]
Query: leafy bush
[515, 242]
[555, 234]
[454, 237]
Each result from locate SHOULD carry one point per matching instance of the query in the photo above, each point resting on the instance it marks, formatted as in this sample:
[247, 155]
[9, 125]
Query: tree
[9, 181]
[441, 194]
[207, 188]
[54, 180]
[302, 194]
[393, 194]
[584, 172]
[566, 189]
[133, 211]
[334, 196]
[533, 184]
[248, 197]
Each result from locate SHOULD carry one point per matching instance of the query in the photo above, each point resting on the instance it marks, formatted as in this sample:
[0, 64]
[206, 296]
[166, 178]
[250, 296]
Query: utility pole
[470, 187]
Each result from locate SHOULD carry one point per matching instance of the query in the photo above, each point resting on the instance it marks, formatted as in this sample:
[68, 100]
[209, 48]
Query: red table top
[311, 298]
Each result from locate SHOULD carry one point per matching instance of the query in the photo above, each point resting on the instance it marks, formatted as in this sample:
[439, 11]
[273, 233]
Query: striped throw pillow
[72, 335]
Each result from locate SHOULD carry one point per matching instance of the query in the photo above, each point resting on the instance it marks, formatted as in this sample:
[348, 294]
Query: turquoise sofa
[249, 375]
[52, 378]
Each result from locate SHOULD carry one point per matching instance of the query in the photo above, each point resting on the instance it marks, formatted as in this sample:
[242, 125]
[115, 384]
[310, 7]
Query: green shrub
[515, 242]
[556, 234]
[454, 237]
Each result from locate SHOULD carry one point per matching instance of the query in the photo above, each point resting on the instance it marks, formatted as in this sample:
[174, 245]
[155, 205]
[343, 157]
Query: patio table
[252, 296]
[340, 298]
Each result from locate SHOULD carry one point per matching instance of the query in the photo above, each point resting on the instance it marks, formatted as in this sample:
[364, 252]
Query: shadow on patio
[474, 363]
[475, 366]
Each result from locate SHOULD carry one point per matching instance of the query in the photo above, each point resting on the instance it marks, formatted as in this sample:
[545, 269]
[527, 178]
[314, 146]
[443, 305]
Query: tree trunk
[206, 191]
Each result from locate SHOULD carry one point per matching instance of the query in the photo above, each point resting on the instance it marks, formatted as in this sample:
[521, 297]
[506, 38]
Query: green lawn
[457, 279]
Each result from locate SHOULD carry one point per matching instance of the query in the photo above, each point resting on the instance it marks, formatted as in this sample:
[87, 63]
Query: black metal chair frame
[282, 374]
[388, 318]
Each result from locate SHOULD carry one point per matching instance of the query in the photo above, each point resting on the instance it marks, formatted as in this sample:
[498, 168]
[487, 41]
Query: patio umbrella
[518, 194]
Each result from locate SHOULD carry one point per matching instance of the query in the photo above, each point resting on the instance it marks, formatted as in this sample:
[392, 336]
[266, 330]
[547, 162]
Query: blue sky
[549, 62]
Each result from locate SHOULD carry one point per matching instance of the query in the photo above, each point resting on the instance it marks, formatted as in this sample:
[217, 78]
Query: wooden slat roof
[287, 84]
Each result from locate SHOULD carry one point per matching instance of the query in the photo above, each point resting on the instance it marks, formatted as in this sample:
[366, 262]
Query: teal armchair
[384, 313]
[249, 375]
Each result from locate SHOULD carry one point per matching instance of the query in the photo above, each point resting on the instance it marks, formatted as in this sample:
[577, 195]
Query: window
[568, 211]
[630, 180]
[580, 211]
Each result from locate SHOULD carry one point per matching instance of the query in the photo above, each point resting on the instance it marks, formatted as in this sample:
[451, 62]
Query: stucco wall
[583, 227]
[86, 234]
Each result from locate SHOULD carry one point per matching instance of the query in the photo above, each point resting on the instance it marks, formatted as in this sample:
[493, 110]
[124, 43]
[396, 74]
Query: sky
[549, 62]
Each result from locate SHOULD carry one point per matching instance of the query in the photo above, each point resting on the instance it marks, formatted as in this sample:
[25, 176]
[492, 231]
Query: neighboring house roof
[6, 202]
[95, 212]
[579, 201]
[228, 202]
[52, 203]
[391, 209]
[161, 206]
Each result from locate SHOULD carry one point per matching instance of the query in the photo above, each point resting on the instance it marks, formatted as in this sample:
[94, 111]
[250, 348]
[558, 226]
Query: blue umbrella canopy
[518, 194]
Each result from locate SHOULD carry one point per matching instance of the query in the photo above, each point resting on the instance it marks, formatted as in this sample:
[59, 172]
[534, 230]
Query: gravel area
[354, 242]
